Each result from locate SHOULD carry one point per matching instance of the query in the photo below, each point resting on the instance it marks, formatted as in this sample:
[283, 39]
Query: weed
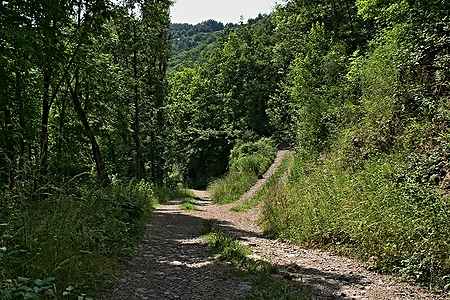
[188, 204]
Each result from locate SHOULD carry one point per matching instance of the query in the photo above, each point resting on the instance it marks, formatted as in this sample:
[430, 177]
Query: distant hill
[189, 41]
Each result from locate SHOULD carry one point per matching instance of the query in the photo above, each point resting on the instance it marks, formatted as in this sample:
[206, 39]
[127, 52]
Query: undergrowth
[248, 161]
[68, 244]
[165, 193]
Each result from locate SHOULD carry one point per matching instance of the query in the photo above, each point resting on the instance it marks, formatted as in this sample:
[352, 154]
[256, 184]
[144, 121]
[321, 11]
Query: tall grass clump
[69, 243]
[248, 161]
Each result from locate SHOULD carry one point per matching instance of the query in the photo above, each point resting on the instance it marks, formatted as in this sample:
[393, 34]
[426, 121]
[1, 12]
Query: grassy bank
[247, 162]
[69, 244]
[378, 211]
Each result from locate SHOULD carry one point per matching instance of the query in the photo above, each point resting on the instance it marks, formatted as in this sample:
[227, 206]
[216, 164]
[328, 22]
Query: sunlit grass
[247, 162]
[188, 204]
[268, 186]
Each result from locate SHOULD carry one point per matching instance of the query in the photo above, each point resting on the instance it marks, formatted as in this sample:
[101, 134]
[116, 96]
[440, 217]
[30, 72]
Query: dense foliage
[187, 36]
[189, 43]
[367, 94]
[217, 102]
[83, 81]
[71, 241]
[82, 88]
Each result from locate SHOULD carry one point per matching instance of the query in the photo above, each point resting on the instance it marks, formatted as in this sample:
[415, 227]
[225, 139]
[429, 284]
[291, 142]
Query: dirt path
[173, 262]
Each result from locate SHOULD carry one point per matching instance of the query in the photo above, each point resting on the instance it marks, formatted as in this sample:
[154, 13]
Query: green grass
[188, 204]
[228, 248]
[231, 187]
[247, 162]
[71, 242]
[165, 193]
[270, 184]
[376, 211]
[258, 272]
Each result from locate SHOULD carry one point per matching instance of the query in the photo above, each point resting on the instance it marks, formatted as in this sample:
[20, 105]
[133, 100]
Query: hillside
[189, 43]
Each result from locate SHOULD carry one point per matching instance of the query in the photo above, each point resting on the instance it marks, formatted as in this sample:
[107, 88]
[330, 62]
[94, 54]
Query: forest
[108, 110]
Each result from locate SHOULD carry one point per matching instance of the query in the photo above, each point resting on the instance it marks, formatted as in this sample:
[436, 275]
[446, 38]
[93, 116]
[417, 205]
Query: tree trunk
[23, 129]
[102, 175]
[62, 119]
[44, 124]
[140, 169]
[160, 96]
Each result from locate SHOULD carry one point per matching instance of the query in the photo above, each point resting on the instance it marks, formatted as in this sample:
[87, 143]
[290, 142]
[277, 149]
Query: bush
[73, 236]
[247, 162]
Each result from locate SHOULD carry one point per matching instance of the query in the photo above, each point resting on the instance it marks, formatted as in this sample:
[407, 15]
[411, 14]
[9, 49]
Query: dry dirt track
[173, 262]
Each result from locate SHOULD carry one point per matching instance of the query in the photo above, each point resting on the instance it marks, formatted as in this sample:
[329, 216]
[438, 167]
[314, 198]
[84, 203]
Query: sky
[225, 11]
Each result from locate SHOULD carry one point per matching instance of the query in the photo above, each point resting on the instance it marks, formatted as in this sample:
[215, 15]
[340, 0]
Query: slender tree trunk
[16, 153]
[44, 123]
[159, 133]
[10, 151]
[140, 169]
[349, 11]
[62, 118]
[102, 175]
[160, 96]
[23, 130]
